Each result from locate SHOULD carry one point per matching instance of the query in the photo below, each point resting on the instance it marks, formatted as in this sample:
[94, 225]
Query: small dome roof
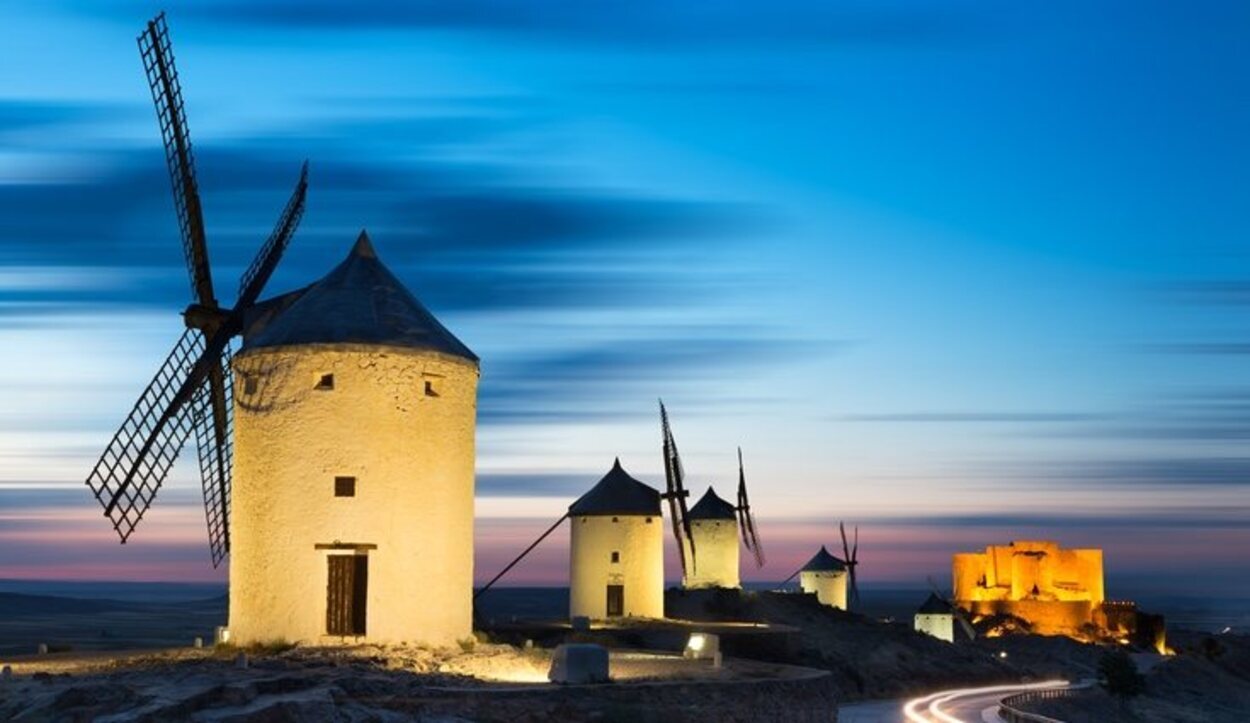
[711, 507]
[618, 494]
[359, 302]
[824, 562]
[934, 606]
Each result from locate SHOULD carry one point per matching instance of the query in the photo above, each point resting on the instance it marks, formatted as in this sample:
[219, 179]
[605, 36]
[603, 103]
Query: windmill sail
[192, 389]
[746, 519]
[850, 556]
[675, 493]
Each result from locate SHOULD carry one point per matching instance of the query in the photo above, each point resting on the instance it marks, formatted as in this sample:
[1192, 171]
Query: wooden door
[616, 601]
[346, 592]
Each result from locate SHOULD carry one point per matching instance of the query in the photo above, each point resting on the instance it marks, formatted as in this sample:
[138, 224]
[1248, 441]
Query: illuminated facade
[936, 618]
[825, 576]
[616, 550]
[1057, 591]
[352, 505]
[714, 530]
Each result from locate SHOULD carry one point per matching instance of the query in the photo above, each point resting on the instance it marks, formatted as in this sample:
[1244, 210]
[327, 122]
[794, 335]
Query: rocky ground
[1208, 681]
[370, 683]
[873, 659]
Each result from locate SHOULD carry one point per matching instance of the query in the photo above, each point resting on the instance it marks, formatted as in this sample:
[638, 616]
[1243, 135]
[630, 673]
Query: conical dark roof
[824, 562]
[711, 507]
[618, 494]
[359, 302]
[934, 606]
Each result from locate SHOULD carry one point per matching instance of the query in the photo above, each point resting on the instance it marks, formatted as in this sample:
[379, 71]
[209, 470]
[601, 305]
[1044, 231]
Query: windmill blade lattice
[193, 389]
[213, 418]
[125, 480]
[257, 275]
[675, 493]
[746, 519]
[850, 556]
[158, 64]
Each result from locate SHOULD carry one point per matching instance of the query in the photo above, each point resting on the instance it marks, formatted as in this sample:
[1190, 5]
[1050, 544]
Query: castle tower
[352, 510]
[616, 550]
[714, 529]
[825, 575]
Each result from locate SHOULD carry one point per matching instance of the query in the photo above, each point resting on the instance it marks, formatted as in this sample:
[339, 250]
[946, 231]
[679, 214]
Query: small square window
[616, 556]
[344, 486]
[614, 519]
[648, 520]
[430, 391]
[249, 384]
[326, 381]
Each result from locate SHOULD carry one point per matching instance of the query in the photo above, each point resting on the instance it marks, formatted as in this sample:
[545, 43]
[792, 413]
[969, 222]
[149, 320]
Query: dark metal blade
[213, 417]
[750, 534]
[257, 275]
[158, 64]
[141, 453]
[670, 482]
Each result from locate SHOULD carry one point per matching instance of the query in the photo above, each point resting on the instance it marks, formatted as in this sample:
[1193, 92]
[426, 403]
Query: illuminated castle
[352, 515]
[1057, 591]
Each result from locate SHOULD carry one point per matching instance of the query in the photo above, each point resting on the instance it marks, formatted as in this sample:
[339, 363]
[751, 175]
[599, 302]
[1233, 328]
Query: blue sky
[957, 271]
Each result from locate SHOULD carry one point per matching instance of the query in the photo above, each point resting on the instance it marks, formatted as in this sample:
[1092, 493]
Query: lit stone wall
[1010, 572]
[639, 541]
[941, 627]
[401, 422]
[1047, 617]
[968, 568]
[1002, 580]
[716, 554]
[830, 587]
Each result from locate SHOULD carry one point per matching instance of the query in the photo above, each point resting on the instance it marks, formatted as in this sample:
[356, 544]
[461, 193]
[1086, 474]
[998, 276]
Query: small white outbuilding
[825, 575]
[352, 502]
[936, 617]
[714, 530]
[616, 550]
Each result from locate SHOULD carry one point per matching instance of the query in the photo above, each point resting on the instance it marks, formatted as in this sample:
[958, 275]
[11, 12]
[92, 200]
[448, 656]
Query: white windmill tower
[354, 461]
[715, 526]
[616, 549]
[350, 515]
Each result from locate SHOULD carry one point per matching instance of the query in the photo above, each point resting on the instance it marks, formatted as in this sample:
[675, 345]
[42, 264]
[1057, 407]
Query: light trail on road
[928, 709]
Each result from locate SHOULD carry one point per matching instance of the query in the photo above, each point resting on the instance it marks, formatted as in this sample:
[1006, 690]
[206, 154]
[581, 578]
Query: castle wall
[716, 554]
[829, 587]
[967, 570]
[941, 627]
[639, 541]
[1047, 617]
[411, 452]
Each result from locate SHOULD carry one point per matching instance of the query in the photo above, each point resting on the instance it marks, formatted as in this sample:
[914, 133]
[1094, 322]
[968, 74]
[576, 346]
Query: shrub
[1117, 674]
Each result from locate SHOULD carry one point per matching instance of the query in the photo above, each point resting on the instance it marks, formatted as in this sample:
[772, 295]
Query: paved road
[964, 705]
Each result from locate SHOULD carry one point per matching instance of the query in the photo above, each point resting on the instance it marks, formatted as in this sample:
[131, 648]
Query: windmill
[956, 611]
[850, 556]
[192, 388]
[676, 493]
[746, 520]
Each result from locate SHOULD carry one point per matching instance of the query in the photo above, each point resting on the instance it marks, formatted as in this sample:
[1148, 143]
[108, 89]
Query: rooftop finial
[364, 247]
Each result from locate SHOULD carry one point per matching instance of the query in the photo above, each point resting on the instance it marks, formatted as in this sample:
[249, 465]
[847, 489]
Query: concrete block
[702, 646]
[579, 663]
